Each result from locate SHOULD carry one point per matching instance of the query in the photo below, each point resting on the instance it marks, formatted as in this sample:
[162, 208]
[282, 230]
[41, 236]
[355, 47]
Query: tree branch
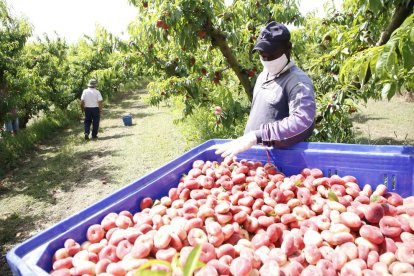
[402, 11]
[219, 40]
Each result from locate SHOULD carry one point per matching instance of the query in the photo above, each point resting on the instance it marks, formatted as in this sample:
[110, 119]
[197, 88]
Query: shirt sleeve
[100, 99]
[299, 125]
[83, 95]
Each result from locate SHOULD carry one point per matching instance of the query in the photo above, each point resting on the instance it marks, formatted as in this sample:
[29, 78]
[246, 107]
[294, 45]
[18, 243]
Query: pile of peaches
[251, 219]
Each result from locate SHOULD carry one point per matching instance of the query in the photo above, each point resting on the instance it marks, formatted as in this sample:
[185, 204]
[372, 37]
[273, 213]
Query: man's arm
[100, 101]
[82, 105]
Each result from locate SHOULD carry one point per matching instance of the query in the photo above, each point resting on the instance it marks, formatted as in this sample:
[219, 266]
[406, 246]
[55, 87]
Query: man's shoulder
[94, 90]
[297, 75]
[91, 90]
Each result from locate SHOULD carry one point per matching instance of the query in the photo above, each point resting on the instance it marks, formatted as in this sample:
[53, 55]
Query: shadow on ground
[361, 118]
[13, 228]
[57, 166]
[383, 141]
[127, 101]
[116, 136]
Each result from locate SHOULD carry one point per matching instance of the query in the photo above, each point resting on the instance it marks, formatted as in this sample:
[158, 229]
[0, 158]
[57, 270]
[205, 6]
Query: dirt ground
[66, 174]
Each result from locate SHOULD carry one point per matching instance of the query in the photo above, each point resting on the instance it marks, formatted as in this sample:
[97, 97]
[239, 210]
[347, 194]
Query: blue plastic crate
[392, 165]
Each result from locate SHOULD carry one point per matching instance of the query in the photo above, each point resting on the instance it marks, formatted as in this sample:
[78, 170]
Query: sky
[73, 18]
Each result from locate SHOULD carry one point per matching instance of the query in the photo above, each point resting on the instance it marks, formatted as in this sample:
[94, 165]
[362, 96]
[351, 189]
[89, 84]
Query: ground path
[67, 174]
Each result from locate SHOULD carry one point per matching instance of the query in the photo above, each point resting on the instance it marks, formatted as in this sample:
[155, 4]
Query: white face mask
[274, 66]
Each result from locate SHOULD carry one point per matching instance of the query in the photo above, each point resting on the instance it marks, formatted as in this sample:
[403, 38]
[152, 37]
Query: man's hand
[241, 144]
[82, 106]
[100, 107]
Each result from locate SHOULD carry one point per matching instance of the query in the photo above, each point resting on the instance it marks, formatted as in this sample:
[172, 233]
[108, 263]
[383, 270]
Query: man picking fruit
[283, 107]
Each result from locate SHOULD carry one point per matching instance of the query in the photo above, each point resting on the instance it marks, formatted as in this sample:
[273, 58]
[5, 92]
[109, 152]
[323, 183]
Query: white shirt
[91, 97]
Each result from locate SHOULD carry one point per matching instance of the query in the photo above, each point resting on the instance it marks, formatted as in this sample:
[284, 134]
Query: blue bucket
[127, 120]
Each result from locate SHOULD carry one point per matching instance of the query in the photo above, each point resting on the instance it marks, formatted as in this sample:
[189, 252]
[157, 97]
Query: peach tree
[199, 56]
[52, 73]
[362, 50]
[13, 35]
[48, 73]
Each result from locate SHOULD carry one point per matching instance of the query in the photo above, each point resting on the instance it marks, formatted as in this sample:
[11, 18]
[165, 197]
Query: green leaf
[332, 196]
[151, 273]
[407, 50]
[193, 261]
[272, 214]
[345, 51]
[386, 90]
[374, 199]
[363, 72]
[386, 61]
[375, 5]
[390, 91]
[175, 263]
[154, 262]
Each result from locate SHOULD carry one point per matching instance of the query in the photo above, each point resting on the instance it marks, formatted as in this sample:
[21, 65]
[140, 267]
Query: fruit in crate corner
[270, 168]
[251, 219]
[95, 233]
[146, 203]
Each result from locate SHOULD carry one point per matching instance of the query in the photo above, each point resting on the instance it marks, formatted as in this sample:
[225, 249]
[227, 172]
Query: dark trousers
[92, 116]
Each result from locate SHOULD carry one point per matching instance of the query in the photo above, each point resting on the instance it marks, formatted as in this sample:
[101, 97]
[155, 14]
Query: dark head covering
[271, 37]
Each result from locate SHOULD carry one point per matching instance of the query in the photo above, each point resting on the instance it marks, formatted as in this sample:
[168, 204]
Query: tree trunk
[218, 39]
[402, 11]
[409, 96]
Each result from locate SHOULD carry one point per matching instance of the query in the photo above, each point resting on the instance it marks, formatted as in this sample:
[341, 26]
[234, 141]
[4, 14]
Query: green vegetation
[63, 174]
[360, 51]
[13, 148]
[197, 55]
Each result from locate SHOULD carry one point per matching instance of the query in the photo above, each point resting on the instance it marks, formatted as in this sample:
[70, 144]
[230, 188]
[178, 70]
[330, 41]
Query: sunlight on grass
[385, 123]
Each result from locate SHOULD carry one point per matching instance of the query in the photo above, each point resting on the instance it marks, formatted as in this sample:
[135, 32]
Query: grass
[12, 148]
[66, 174]
[385, 122]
